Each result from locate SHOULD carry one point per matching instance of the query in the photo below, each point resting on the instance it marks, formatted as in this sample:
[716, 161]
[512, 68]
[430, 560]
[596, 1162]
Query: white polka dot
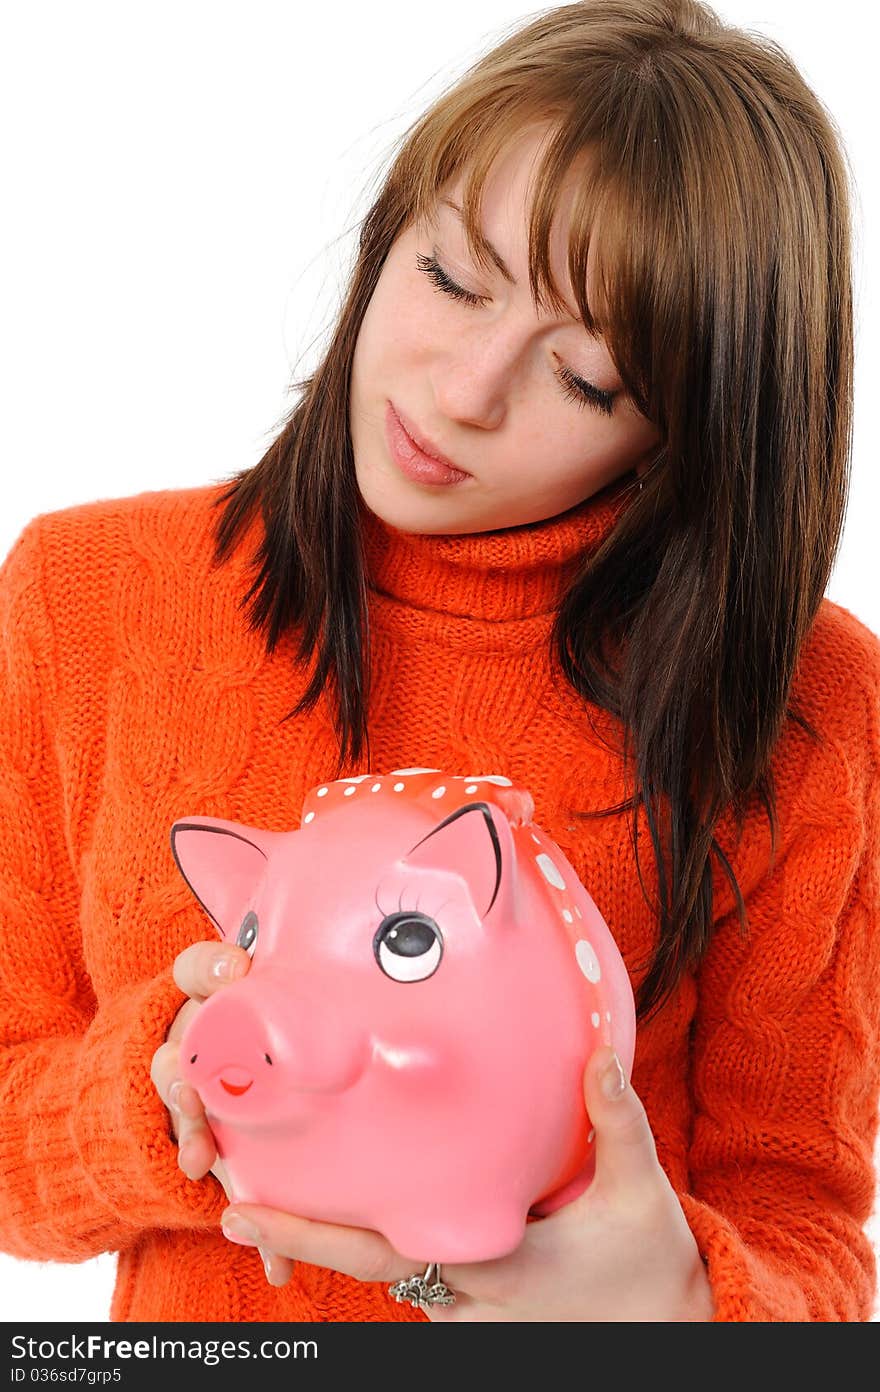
[375, 788]
[549, 870]
[438, 792]
[348, 792]
[577, 911]
[587, 960]
[322, 792]
[308, 817]
[566, 914]
[399, 787]
[472, 788]
[608, 1016]
[595, 1019]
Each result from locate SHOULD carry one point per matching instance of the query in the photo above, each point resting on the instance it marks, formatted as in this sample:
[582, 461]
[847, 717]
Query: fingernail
[239, 1229]
[227, 967]
[174, 1094]
[268, 1266]
[613, 1079]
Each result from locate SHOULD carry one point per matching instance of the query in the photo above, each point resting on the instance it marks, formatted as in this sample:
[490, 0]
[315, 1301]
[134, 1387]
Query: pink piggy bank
[428, 979]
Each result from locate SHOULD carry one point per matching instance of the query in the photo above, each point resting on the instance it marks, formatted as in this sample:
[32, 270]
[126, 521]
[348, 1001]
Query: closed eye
[575, 388]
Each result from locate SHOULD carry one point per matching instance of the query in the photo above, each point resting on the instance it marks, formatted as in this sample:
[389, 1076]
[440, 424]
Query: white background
[182, 183]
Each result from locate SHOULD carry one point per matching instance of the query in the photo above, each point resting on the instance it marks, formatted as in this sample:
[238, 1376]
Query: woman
[638, 350]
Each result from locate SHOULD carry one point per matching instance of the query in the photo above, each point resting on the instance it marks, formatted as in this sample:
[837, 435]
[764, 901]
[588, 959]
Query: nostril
[267, 1058]
[194, 1057]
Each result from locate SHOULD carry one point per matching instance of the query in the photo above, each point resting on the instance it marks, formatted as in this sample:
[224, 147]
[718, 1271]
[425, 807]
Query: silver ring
[422, 1290]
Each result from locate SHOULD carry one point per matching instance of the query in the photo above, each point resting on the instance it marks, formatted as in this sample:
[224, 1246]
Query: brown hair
[724, 296]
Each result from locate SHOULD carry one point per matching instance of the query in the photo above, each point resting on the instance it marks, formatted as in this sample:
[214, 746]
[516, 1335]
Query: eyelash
[574, 387]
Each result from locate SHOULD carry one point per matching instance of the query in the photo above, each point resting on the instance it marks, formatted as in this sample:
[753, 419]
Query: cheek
[387, 331]
[579, 456]
[368, 339]
[571, 435]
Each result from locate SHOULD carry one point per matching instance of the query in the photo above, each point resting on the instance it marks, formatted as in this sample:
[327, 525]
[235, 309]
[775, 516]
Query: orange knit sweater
[132, 694]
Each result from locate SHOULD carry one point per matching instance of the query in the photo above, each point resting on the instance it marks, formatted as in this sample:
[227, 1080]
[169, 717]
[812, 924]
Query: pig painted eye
[247, 933]
[408, 946]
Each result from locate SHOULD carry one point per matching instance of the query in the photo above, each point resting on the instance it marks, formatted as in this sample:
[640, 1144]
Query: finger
[197, 1148]
[197, 1152]
[163, 1071]
[626, 1155]
[357, 1252]
[278, 1269]
[182, 1019]
[203, 967]
[181, 1099]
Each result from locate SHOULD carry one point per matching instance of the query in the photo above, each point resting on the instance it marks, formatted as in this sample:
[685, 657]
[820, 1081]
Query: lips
[424, 444]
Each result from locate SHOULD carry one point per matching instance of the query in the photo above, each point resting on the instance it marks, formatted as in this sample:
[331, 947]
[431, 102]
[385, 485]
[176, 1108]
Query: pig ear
[476, 842]
[222, 862]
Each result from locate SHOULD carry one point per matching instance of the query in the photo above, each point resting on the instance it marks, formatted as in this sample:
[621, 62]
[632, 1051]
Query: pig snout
[253, 1046]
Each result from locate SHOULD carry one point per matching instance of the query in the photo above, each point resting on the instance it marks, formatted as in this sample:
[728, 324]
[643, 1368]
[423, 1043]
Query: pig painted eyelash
[409, 908]
[574, 388]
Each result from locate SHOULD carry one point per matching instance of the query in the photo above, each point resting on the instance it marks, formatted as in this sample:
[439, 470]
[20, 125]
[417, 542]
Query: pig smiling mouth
[236, 1091]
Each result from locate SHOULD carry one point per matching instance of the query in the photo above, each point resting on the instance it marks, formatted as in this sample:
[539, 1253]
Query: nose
[260, 1029]
[474, 384]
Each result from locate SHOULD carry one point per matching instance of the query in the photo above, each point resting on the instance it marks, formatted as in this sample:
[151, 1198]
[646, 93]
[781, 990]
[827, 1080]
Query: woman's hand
[197, 971]
[622, 1250]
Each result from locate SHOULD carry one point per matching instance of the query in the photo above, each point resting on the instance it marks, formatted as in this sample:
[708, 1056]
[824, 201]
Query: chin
[400, 504]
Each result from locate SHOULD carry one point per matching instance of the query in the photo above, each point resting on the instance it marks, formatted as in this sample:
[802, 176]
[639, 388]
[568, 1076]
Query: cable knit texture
[132, 694]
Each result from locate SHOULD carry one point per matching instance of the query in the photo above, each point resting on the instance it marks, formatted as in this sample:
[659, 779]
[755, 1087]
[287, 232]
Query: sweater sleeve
[786, 1051]
[87, 1159]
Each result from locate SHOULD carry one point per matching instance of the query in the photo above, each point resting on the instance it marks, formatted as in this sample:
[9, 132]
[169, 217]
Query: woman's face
[479, 382]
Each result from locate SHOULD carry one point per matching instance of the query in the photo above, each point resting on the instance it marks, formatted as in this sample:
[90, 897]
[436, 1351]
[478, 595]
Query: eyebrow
[495, 253]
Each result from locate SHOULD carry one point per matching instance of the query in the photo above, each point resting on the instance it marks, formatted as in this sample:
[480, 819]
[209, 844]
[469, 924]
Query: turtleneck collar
[514, 576]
